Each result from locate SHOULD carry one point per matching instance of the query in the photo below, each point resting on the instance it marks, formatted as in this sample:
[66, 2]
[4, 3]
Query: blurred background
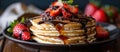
[43, 4]
[12, 9]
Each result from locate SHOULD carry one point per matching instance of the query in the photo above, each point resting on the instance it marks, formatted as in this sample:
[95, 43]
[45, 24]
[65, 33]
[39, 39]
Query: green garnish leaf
[22, 20]
[10, 30]
[70, 1]
[12, 24]
[66, 1]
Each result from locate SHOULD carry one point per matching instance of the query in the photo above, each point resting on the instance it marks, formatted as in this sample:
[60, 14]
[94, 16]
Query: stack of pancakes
[63, 31]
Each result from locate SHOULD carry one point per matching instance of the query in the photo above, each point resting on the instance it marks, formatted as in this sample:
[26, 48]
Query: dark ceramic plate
[114, 34]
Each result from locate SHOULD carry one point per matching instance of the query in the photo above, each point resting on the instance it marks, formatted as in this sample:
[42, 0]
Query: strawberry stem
[66, 1]
[70, 1]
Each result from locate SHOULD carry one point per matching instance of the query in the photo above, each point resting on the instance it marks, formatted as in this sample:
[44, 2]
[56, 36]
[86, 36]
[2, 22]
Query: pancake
[72, 32]
[71, 26]
[43, 31]
[64, 31]
[59, 40]
[48, 40]
[56, 33]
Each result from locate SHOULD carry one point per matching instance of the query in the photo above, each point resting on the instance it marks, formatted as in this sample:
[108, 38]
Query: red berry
[101, 32]
[25, 35]
[100, 16]
[57, 3]
[55, 8]
[18, 31]
[90, 9]
[65, 13]
[54, 13]
[71, 8]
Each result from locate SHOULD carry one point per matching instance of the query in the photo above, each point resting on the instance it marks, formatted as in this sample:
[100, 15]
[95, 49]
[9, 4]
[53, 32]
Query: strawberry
[25, 35]
[65, 13]
[55, 12]
[18, 30]
[71, 8]
[90, 9]
[60, 7]
[100, 16]
[57, 3]
[54, 9]
[101, 32]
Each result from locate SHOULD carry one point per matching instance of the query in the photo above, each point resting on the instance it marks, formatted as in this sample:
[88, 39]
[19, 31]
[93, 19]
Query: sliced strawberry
[55, 11]
[65, 13]
[90, 9]
[100, 16]
[101, 32]
[74, 9]
[57, 3]
[25, 35]
[71, 8]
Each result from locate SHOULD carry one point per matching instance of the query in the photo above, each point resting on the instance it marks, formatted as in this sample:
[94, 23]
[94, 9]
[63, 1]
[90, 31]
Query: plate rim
[43, 44]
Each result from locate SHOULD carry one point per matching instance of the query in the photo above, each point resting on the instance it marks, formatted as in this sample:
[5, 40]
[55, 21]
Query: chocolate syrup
[54, 7]
[40, 22]
[84, 22]
[32, 18]
[58, 22]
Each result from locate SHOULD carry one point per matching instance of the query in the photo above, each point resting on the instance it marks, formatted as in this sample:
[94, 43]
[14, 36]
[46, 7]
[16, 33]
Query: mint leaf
[12, 24]
[70, 1]
[22, 20]
[66, 1]
[10, 30]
